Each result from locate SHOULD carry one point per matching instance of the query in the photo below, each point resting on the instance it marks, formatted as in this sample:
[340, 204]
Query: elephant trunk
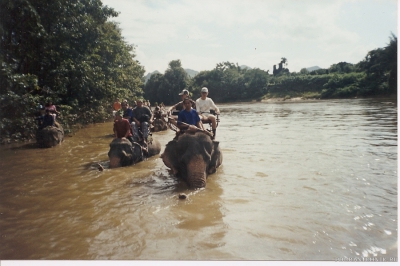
[123, 159]
[196, 172]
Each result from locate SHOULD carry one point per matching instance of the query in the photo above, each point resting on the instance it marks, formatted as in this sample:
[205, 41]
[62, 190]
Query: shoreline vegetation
[72, 129]
[78, 59]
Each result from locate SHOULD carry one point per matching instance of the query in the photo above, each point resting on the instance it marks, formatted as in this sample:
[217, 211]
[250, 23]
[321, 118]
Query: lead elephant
[50, 136]
[159, 124]
[123, 153]
[193, 157]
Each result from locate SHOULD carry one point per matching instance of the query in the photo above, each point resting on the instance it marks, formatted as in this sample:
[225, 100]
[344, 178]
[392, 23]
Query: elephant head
[193, 157]
[123, 153]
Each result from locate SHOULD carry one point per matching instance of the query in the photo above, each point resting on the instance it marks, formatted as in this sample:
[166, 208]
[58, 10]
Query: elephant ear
[216, 144]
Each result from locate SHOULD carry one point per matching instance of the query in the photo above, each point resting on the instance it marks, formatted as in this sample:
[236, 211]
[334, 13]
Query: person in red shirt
[122, 128]
[117, 105]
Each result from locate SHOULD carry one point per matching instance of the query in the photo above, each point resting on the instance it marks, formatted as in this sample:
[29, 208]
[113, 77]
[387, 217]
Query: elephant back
[50, 136]
[154, 148]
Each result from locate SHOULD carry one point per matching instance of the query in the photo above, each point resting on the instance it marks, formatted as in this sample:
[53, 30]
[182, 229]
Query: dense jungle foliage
[228, 82]
[68, 52]
[64, 51]
[375, 75]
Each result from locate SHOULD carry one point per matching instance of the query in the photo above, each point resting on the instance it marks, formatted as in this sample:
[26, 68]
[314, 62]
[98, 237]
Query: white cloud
[255, 32]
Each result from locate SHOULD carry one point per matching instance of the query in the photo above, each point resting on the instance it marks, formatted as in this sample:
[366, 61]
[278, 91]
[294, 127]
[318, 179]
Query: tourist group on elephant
[192, 154]
[49, 132]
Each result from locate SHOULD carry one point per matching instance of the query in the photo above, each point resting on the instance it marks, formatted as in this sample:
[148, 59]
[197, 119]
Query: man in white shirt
[203, 106]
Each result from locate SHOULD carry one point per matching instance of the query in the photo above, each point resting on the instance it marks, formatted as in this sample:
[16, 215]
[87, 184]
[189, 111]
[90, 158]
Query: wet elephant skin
[50, 136]
[123, 153]
[193, 157]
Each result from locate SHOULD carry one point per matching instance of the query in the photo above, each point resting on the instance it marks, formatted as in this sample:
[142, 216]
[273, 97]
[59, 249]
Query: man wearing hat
[203, 107]
[122, 128]
[142, 117]
[179, 106]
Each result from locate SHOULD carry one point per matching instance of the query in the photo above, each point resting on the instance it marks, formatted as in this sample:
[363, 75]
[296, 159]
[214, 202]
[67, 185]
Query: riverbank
[71, 130]
[295, 99]
[17, 138]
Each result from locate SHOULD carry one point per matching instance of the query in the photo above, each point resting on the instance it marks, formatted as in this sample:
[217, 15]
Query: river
[300, 180]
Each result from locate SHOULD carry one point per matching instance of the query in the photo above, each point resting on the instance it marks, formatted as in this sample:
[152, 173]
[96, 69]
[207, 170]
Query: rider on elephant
[45, 119]
[188, 119]
[116, 105]
[203, 107]
[179, 106]
[122, 128]
[157, 113]
[127, 111]
[142, 118]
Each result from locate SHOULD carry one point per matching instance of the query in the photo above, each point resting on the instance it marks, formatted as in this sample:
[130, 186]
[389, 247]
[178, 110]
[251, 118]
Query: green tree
[390, 58]
[284, 61]
[64, 50]
[175, 80]
[153, 88]
[380, 65]
[228, 82]
[256, 81]
[342, 67]
[304, 71]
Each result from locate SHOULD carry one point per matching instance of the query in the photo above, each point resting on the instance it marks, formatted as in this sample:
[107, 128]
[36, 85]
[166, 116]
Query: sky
[255, 33]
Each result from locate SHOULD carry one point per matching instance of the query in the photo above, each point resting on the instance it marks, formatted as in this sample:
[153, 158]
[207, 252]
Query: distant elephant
[193, 157]
[50, 136]
[123, 152]
[159, 124]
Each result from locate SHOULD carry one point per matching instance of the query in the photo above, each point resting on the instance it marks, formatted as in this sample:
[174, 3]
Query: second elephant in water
[123, 153]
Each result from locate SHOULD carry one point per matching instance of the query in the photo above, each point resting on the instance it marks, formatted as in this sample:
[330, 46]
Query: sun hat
[204, 89]
[184, 92]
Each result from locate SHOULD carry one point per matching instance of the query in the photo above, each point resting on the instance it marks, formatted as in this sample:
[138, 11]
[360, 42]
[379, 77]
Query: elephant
[123, 153]
[50, 136]
[193, 157]
[159, 124]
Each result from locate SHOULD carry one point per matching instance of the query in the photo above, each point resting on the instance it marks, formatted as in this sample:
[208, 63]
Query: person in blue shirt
[128, 113]
[188, 119]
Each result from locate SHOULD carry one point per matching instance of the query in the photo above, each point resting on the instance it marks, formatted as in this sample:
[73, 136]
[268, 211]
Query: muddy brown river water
[300, 180]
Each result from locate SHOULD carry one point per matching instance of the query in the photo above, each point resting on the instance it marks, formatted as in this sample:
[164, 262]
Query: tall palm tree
[284, 61]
